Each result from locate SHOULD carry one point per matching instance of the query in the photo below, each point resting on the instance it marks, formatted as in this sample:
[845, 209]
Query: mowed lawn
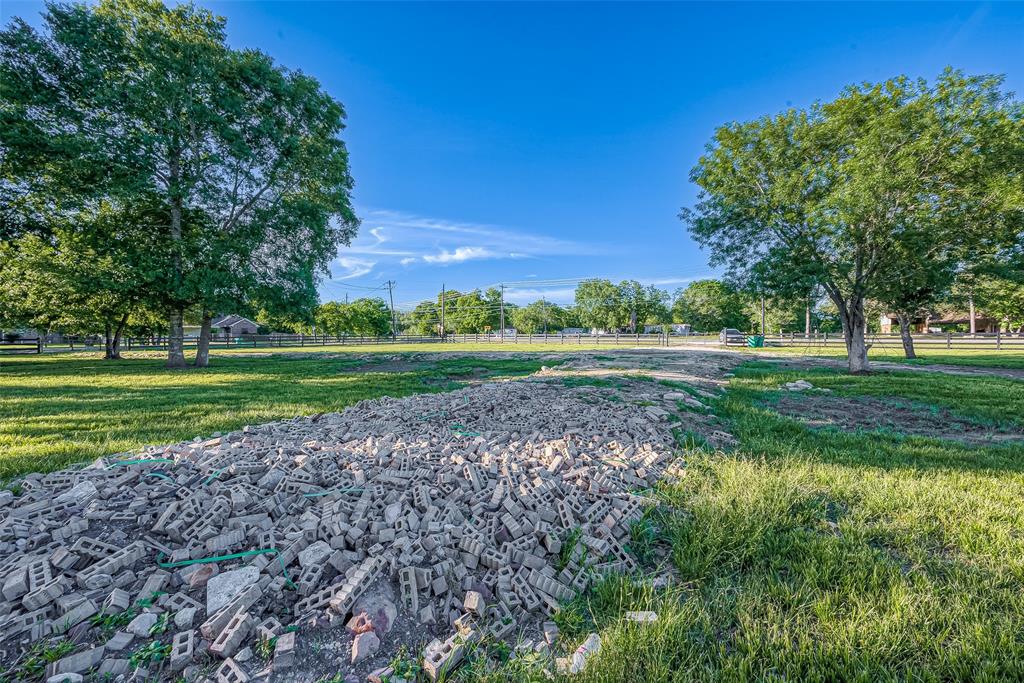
[60, 409]
[800, 554]
[991, 358]
[825, 555]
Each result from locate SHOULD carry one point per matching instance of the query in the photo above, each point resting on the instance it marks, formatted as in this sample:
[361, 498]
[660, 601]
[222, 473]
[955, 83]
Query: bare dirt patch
[864, 413]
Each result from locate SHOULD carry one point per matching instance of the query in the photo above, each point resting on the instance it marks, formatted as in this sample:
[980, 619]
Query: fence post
[949, 340]
[999, 338]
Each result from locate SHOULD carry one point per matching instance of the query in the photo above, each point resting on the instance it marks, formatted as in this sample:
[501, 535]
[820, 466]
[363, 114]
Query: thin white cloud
[402, 239]
[461, 254]
[354, 267]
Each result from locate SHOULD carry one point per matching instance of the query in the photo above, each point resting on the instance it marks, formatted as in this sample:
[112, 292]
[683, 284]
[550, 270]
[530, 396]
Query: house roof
[231, 320]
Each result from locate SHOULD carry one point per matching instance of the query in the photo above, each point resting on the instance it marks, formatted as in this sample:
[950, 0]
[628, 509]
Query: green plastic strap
[157, 474]
[213, 476]
[218, 558]
[153, 461]
[460, 430]
[233, 556]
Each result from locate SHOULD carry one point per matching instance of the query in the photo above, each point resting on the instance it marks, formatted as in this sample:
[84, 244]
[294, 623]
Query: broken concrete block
[224, 587]
[284, 651]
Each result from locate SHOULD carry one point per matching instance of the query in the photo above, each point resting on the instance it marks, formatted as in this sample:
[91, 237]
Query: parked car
[731, 335]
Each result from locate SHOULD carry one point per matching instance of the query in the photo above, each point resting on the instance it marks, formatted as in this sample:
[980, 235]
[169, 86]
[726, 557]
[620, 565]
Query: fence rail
[21, 346]
[991, 341]
[1000, 341]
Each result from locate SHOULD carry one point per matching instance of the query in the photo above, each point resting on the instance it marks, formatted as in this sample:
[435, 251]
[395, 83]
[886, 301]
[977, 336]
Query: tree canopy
[840, 192]
[709, 306]
[367, 317]
[130, 102]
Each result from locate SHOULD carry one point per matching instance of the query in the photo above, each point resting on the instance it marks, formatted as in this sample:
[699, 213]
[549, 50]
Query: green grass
[60, 409]
[988, 358]
[828, 556]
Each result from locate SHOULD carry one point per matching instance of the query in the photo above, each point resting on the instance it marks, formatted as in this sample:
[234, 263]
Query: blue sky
[530, 142]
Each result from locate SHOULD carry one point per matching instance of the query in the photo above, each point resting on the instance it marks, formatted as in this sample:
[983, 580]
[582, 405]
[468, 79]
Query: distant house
[958, 321]
[225, 326]
[232, 326]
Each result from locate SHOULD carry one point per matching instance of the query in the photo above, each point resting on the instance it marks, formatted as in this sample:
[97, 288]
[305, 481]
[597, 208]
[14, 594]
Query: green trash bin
[755, 341]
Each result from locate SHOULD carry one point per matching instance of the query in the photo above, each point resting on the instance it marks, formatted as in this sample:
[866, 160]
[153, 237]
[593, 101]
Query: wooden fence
[21, 346]
[998, 341]
[950, 341]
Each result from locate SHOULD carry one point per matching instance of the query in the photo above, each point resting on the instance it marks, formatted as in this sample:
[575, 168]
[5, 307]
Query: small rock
[141, 624]
[314, 554]
[392, 512]
[65, 678]
[184, 618]
[120, 641]
[201, 575]
[365, 645]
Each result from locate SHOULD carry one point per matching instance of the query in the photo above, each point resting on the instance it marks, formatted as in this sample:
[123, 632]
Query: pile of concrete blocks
[485, 508]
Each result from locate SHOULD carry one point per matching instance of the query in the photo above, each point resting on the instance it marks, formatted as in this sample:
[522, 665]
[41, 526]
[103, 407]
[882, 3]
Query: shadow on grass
[57, 411]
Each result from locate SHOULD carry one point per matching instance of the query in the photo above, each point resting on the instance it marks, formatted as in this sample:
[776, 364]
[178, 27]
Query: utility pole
[762, 315]
[544, 307]
[502, 312]
[442, 311]
[391, 298]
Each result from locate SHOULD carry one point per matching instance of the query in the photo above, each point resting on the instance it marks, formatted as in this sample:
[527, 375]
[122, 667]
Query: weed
[41, 653]
[643, 536]
[405, 666]
[108, 623]
[161, 624]
[569, 543]
[152, 652]
[264, 647]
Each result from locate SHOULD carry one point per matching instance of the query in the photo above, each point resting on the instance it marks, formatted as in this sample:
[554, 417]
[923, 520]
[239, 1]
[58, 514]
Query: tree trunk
[108, 342]
[176, 338]
[114, 343]
[851, 314]
[176, 334]
[905, 334]
[807, 322]
[203, 349]
[974, 317]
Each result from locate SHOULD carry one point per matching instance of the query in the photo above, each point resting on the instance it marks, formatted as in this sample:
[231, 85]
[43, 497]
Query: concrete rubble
[463, 502]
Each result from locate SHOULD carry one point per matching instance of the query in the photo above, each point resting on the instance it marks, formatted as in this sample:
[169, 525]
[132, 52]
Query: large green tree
[840, 191]
[710, 305]
[88, 273]
[425, 319]
[470, 313]
[368, 317]
[130, 98]
[538, 317]
[599, 304]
